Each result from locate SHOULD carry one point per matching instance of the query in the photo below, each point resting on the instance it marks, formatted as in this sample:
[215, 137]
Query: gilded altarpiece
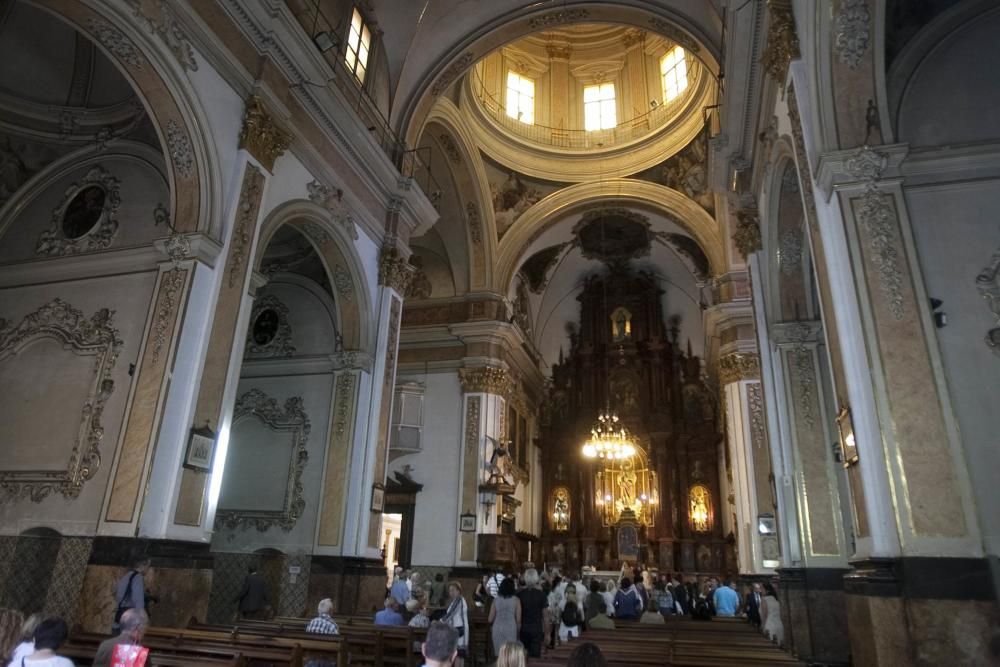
[624, 356]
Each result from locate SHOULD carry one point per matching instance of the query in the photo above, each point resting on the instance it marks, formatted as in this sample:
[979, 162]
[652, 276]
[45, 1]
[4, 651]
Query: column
[559, 82]
[484, 389]
[913, 477]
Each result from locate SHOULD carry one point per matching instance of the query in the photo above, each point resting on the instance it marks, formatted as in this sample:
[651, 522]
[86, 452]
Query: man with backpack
[130, 592]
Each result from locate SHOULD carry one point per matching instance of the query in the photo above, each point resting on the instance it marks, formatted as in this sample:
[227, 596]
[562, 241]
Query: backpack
[570, 615]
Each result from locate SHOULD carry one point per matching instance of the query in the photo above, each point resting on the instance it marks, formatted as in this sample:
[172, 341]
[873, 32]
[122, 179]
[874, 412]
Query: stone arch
[557, 205]
[415, 104]
[334, 246]
[169, 100]
[470, 179]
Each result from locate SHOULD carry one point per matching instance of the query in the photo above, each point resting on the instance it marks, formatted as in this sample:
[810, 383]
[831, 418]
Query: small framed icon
[201, 449]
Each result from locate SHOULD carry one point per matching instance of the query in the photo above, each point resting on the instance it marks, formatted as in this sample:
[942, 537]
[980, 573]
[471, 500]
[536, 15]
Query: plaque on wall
[200, 450]
[378, 497]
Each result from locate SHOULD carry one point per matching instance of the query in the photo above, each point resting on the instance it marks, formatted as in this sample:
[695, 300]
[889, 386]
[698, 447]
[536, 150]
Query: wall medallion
[269, 335]
[86, 218]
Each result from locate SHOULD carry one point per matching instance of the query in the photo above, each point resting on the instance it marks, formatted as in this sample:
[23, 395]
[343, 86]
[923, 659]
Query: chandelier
[609, 439]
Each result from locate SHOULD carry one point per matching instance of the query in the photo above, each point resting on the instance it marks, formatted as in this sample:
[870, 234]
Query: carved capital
[486, 380]
[394, 270]
[737, 367]
[261, 136]
[782, 41]
[559, 50]
[747, 234]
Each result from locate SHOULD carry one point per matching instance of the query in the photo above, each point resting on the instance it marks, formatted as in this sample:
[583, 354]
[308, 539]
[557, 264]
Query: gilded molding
[853, 25]
[988, 284]
[737, 367]
[486, 380]
[294, 420]
[394, 271]
[54, 241]
[747, 234]
[92, 336]
[261, 136]
[166, 27]
[878, 216]
[782, 42]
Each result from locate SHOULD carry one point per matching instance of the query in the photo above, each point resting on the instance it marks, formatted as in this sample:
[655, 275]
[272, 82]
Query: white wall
[435, 526]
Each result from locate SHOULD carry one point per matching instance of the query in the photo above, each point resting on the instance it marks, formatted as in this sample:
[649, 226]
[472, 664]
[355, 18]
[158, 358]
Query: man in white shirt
[493, 583]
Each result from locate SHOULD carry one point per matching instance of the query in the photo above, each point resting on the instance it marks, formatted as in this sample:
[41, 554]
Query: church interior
[331, 287]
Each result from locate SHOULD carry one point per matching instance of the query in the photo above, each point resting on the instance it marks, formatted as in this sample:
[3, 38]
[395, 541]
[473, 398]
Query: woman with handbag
[457, 617]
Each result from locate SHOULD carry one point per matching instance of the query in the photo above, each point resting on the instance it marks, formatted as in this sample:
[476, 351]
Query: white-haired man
[323, 624]
[133, 626]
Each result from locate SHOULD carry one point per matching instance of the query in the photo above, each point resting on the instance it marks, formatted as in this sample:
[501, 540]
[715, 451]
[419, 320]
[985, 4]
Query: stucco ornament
[394, 270]
[290, 419]
[269, 334]
[115, 41]
[738, 367]
[179, 147]
[452, 72]
[475, 225]
[790, 251]
[260, 135]
[94, 337]
[77, 202]
[988, 284]
[561, 17]
[165, 27]
[853, 23]
[782, 41]
[747, 234]
[878, 216]
[332, 199]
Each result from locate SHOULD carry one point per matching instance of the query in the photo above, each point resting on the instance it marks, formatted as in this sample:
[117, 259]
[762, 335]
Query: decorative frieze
[170, 287]
[166, 27]
[562, 17]
[452, 72]
[486, 380]
[179, 148]
[115, 41]
[94, 336]
[804, 385]
[790, 250]
[782, 41]
[877, 214]
[343, 282]
[86, 218]
[261, 136]
[394, 271]
[675, 34]
[738, 367]
[747, 234]
[343, 404]
[853, 26]
[450, 149]
[245, 225]
[755, 402]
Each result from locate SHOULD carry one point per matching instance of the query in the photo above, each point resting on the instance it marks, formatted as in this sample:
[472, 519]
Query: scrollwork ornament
[782, 42]
[853, 23]
[486, 380]
[332, 199]
[246, 222]
[738, 367]
[54, 242]
[561, 17]
[790, 251]
[344, 283]
[93, 336]
[170, 289]
[802, 360]
[291, 418]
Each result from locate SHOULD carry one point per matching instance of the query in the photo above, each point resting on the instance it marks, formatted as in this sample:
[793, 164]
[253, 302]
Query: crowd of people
[540, 610]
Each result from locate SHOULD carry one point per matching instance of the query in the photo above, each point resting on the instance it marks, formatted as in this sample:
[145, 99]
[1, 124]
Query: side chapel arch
[343, 267]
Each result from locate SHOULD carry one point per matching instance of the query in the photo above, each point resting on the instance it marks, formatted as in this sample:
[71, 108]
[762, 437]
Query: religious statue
[499, 467]
[626, 488]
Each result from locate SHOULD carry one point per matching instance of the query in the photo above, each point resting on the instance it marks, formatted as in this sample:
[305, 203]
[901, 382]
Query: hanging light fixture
[609, 439]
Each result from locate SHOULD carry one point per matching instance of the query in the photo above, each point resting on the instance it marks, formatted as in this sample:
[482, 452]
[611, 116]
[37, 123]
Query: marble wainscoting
[181, 579]
[916, 612]
[814, 613]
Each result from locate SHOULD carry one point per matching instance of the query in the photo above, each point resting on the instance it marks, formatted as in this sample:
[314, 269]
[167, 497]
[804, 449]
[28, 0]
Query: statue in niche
[560, 509]
[420, 285]
[499, 466]
[621, 325]
[626, 487]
